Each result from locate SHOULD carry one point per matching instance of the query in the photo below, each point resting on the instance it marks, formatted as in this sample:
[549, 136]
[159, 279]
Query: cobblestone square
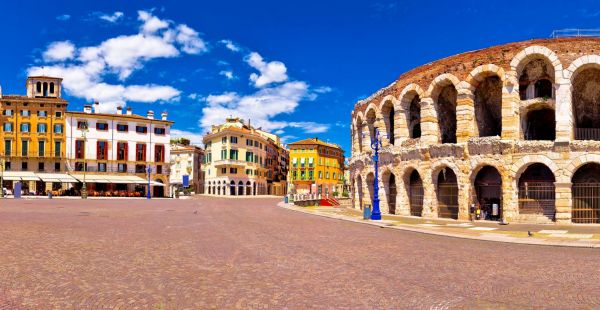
[217, 253]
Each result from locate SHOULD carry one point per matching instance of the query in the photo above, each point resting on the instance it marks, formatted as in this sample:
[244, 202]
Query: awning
[90, 178]
[154, 183]
[56, 177]
[19, 176]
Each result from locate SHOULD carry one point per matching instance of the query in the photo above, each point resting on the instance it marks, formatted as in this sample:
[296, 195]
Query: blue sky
[293, 67]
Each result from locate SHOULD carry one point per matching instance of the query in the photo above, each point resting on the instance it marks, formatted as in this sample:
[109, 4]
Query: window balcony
[230, 162]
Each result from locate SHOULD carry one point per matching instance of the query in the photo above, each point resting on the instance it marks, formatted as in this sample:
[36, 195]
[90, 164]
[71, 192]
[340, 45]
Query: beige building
[186, 160]
[511, 129]
[240, 160]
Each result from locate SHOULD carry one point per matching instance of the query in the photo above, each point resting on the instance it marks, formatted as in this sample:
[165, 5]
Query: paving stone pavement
[216, 253]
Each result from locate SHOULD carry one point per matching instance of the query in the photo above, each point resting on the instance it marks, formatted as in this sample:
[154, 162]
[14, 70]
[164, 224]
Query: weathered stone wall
[490, 123]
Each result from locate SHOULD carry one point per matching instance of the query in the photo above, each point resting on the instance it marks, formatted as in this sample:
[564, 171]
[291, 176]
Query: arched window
[45, 89]
[535, 79]
[388, 119]
[445, 105]
[586, 104]
[415, 193]
[38, 87]
[586, 194]
[540, 124]
[52, 87]
[488, 107]
[536, 192]
[414, 118]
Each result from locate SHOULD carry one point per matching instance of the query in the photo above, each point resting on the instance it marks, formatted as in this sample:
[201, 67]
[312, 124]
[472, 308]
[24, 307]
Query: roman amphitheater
[516, 126]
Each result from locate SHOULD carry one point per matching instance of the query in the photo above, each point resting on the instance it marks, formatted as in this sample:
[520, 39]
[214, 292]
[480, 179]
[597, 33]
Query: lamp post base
[84, 194]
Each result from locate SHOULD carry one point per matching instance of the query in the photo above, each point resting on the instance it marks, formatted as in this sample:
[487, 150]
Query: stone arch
[575, 164]
[477, 75]
[536, 51]
[388, 115]
[580, 63]
[390, 183]
[486, 84]
[447, 191]
[584, 77]
[537, 191]
[410, 102]
[586, 194]
[415, 191]
[444, 93]
[487, 191]
[523, 163]
[371, 116]
[358, 125]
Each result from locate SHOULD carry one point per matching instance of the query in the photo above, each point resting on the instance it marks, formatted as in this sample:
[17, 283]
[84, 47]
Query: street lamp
[149, 170]
[2, 177]
[375, 145]
[84, 194]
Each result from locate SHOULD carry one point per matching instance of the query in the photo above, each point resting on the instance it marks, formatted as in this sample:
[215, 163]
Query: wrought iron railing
[448, 201]
[586, 203]
[587, 134]
[537, 198]
[415, 199]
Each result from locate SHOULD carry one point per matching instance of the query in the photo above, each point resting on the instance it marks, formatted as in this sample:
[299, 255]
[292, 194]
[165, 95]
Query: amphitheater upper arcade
[523, 117]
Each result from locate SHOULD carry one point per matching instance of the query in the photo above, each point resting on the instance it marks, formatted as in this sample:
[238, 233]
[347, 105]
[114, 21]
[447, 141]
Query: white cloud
[323, 90]
[59, 51]
[270, 72]
[193, 96]
[194, 137]
[310, 127]
[230, 45]
[84, 69]
[111, 18]
[63, 18]
[227, 74]
[215, 100]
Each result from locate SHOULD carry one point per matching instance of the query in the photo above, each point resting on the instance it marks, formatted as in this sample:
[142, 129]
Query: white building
[115, 151]
[186, 160]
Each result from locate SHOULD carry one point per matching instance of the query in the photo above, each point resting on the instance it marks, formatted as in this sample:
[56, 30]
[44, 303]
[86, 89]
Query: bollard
[285, 199]
[49, 194]
[367, 212]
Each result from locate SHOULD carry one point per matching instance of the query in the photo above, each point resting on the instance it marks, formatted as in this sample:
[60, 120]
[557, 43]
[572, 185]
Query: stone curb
[507, 239]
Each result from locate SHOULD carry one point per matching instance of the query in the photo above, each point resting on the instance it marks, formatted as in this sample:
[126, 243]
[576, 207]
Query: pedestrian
[478, 212]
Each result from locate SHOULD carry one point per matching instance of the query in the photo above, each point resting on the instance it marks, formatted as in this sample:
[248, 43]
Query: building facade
[511, 129]
[240, 160]
[186, 160]
[317, 167]
[113, 151]
[33, 135]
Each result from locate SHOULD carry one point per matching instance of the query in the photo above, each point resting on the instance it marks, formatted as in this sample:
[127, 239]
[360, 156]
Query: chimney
[119, 110]
[163, 115]
[87, 108]
[150, 114]
[96, 107]
[129, 110]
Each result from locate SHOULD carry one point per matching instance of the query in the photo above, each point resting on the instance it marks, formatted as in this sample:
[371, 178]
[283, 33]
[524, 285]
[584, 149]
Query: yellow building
[316, 167]
[33, 133]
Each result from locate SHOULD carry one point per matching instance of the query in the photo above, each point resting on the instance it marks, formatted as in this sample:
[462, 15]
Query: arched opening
[447, 194]
[254, 188]
[38, 87]
[359, 188]
[414, 118]
[391, 193]
[488, 106]
[232, 188]
[248, 188]
[586, 194]
[488, 192]
[45, 89]
[158, 190]
[586, 104]
[224, 189]
[370, 180]
[359, 133]
[536, 191]
[540, 124]
[535, 80]
[52, 87]
[445, 105]
[415, 193]
[371, 118]
[240, 188]
[388, 119]
[219, 189]
[208, 188]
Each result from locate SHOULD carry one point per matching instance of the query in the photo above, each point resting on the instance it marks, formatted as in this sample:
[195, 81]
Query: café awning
[19, 176]
[56, 177]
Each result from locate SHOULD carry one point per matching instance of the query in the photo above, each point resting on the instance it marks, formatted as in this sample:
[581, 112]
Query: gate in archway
[586, 203]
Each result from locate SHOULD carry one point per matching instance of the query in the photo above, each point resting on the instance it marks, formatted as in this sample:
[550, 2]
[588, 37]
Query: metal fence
[575, 33]
[537, 198]
[586, 203]
[415, 199]
[448, 201]
[587, 134]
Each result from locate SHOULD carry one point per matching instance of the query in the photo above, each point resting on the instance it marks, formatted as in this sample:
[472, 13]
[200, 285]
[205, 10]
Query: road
[246, 253]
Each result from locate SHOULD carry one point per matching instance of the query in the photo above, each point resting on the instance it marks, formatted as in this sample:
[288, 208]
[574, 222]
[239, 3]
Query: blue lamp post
[375, 145]
[149, 170]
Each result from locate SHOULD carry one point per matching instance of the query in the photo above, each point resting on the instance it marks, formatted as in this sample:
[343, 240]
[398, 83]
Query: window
[101, 167]
[79, 149]
[41, 148]
[42, 113]
[52, 87]
[102, 126]
[122, 127]
[7, 166]
[159, 153]
[233, 154]
[102, 150]
[82, 125]
[40, 166]
[223, 170]
[310, 175]
[255, 143]
[334, 175]
[140, 168]
[8, 127]
[24, 127]
[234, 140]
[58, 114]
[42, 128]
[159, 130]
[223, 154]
[224, 140]
[56, 166]
[140, 152]
[58, 128]
[122, 168]
[25, 113]
[24, 166]
[248, 142]
[7, 147]
[24, 147]
[57, 148]
[7, 112]
[249, 156]
[141, 129]
[38, 87]
[327, 175]
[233, 170]
[159, 169]
[320, 174]
[121, 150]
